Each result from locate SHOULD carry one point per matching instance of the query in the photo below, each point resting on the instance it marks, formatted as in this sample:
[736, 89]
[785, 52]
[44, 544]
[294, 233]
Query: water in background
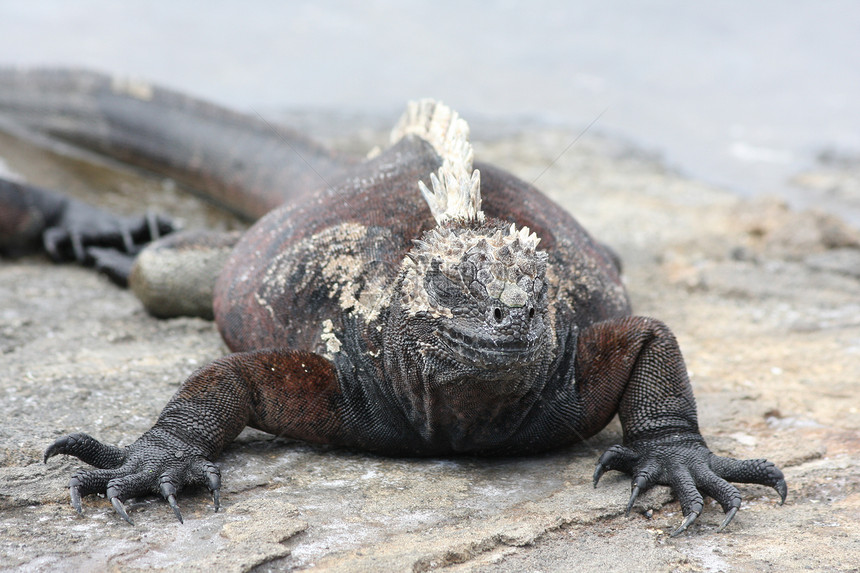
[741, 94]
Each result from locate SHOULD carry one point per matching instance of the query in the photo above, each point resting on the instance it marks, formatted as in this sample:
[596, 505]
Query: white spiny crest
[526, 239]
[453, 197]
[456, 188]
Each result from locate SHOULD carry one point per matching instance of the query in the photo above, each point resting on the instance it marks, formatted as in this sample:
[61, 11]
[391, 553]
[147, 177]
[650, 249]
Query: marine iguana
[418, 304]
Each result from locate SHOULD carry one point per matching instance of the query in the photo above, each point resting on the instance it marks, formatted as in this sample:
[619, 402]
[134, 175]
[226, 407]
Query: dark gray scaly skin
[357, 319]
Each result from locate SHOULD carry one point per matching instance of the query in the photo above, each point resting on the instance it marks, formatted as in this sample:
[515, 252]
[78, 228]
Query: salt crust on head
[456, 188]
[455, 201]
[501, 257]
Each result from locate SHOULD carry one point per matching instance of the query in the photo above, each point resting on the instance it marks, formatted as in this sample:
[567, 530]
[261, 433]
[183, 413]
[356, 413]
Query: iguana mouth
[487, 352]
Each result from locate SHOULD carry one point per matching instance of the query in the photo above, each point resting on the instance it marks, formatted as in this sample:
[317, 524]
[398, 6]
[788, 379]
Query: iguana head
[473, 291]
[476, 296]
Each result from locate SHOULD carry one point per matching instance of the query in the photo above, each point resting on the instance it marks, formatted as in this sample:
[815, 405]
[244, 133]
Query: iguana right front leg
[292, 394]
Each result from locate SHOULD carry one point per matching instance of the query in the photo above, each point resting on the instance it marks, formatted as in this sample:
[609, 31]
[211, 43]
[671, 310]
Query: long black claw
[598, 473]
[75, 494]
[640, 484]
[782, 490]
[78, 247]
[633, 497]
[120, 509]
[213, 482]
[730, 514]
[152, 225]
[67, 443]
[171, 499]
[168, 491]
[687, 521]
[615, 458]
[127, 241]
[53, 450]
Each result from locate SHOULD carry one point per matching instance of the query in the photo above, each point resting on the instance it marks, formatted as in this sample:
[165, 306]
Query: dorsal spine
[456, 187]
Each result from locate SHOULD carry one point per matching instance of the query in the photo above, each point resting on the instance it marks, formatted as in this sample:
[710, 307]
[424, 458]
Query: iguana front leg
[292, 394]
[635, 365]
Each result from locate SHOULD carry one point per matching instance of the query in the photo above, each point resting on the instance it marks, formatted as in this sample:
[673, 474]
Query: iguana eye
[442, 289]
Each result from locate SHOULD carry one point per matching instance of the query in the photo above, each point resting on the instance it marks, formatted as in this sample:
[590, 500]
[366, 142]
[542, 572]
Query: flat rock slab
[764, 301]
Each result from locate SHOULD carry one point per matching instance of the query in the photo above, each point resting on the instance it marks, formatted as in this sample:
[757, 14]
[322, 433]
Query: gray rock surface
[765, 303]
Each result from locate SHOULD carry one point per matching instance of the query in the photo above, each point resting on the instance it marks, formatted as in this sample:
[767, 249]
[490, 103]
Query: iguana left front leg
[634, 366]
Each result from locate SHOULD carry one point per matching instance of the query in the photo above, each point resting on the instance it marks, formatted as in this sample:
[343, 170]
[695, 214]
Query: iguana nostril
[497, 314]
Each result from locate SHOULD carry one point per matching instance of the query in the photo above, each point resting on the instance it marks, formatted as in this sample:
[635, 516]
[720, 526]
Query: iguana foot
[108, 242]
[687, 466]
[33, 218]
[83, 226]
[151, 465]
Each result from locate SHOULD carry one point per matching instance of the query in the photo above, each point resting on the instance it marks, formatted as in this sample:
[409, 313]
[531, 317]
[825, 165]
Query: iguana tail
[240, 161]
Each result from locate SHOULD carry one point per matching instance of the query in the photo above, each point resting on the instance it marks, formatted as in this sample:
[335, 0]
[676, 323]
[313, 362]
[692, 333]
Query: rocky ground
[765, 302]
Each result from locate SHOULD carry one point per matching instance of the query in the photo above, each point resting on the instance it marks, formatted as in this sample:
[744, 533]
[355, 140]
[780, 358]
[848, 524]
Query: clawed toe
[686, 523]
[75, 495]
[144, 468]
[171, 499]
[216, 499]
[213, 482]
[782, 489]
[615, 458]
[168, 492]
[730, 514]
[639, 484]
[117, 504]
